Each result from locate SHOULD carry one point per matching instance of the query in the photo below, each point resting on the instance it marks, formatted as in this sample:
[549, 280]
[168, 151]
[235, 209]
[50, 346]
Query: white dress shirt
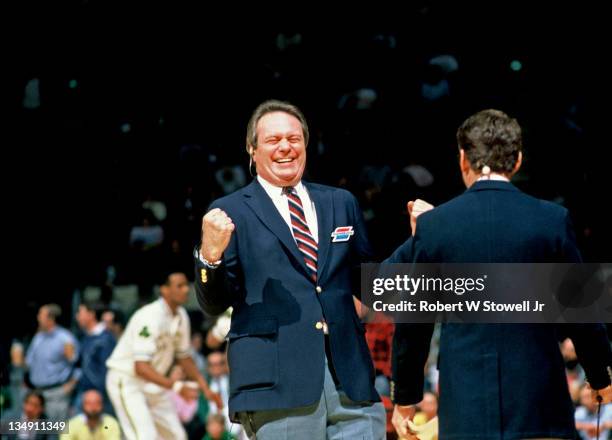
[281, 203]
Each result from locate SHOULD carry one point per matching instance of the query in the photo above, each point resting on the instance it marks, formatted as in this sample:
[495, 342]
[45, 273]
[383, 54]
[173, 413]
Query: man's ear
[251, 160]
[464, 163]
[517, 165]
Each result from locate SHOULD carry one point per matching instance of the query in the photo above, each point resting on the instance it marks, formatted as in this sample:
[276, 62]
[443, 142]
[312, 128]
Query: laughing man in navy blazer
[285, 254]
[497, 381]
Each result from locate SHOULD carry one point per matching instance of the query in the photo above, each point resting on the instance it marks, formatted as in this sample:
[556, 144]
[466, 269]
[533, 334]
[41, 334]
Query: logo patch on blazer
[342, 233]
[204, 276]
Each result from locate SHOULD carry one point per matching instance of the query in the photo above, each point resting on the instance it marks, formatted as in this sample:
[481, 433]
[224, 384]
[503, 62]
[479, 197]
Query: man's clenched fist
[217, 230]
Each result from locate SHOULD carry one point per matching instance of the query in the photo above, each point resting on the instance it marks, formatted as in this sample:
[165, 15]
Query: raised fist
[217, 230]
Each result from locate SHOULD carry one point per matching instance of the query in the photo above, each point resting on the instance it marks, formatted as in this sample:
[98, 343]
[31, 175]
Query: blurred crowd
[60, 375]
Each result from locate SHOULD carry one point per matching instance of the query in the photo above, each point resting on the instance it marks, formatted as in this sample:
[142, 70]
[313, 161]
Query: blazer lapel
[324, 206]
[260, 203]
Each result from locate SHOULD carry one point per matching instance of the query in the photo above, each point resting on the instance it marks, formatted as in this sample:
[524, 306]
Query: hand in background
[188, 393]
[401, 415]
[214, 397]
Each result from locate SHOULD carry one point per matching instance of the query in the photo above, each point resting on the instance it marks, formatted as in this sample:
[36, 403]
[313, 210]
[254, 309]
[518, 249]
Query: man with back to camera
[496, 380]
[285, 254]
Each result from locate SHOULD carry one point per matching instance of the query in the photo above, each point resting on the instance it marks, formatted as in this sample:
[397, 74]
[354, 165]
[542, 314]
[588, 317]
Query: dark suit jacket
[496, 380]
[276, 353]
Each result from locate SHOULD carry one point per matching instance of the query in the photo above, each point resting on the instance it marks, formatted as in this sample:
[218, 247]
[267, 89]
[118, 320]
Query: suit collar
[276, 190]
[496, 185]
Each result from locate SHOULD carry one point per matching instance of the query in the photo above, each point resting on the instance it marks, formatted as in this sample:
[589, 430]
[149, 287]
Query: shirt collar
[274, 190]
[494, 176]
[98, 329]
[166, 308]
[51, 332]
[83, 418]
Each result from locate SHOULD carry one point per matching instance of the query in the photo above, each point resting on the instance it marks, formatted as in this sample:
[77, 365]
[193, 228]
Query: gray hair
[272, 106]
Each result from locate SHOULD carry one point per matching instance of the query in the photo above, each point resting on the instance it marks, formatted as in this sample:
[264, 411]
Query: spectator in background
[186, 409]
[145, 242]
[93, 423]
[586, 417]
[50, 358]
[218, 373]
[428, 408]
[96, 346]
[573, 370]
[148, 235]
[157, 207]
[435, 87]
[114, 321]
[379, 336]
[32, 410]
[197, 341]
[215, 428]
[14, 375]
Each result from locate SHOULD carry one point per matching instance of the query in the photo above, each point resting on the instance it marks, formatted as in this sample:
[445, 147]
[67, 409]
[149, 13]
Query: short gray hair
[272, 106]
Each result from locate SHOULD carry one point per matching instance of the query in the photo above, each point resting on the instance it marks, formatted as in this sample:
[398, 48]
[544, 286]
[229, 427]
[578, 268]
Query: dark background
[186, 79]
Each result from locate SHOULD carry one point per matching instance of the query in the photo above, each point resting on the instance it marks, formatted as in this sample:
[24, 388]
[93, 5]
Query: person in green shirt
[215, 428]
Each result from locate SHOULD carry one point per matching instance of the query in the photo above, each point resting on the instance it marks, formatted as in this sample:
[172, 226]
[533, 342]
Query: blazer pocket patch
[253, 355]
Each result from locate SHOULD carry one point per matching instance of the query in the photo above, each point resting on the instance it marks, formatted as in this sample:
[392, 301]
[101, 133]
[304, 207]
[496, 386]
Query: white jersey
[154, 335]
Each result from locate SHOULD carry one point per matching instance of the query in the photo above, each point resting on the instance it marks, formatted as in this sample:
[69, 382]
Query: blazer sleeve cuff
[208, 264]
[405, 395]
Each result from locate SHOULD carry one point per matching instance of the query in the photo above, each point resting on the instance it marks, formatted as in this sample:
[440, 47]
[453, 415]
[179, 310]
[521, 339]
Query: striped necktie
[301, 232]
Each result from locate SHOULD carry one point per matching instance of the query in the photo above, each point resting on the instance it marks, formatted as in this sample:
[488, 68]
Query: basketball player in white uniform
[156, 336]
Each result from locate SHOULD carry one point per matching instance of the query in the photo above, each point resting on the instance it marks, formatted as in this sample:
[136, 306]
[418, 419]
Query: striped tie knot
[301, 232]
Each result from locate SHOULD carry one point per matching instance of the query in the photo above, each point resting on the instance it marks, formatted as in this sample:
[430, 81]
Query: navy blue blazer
[276, 352]
[497, 381]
